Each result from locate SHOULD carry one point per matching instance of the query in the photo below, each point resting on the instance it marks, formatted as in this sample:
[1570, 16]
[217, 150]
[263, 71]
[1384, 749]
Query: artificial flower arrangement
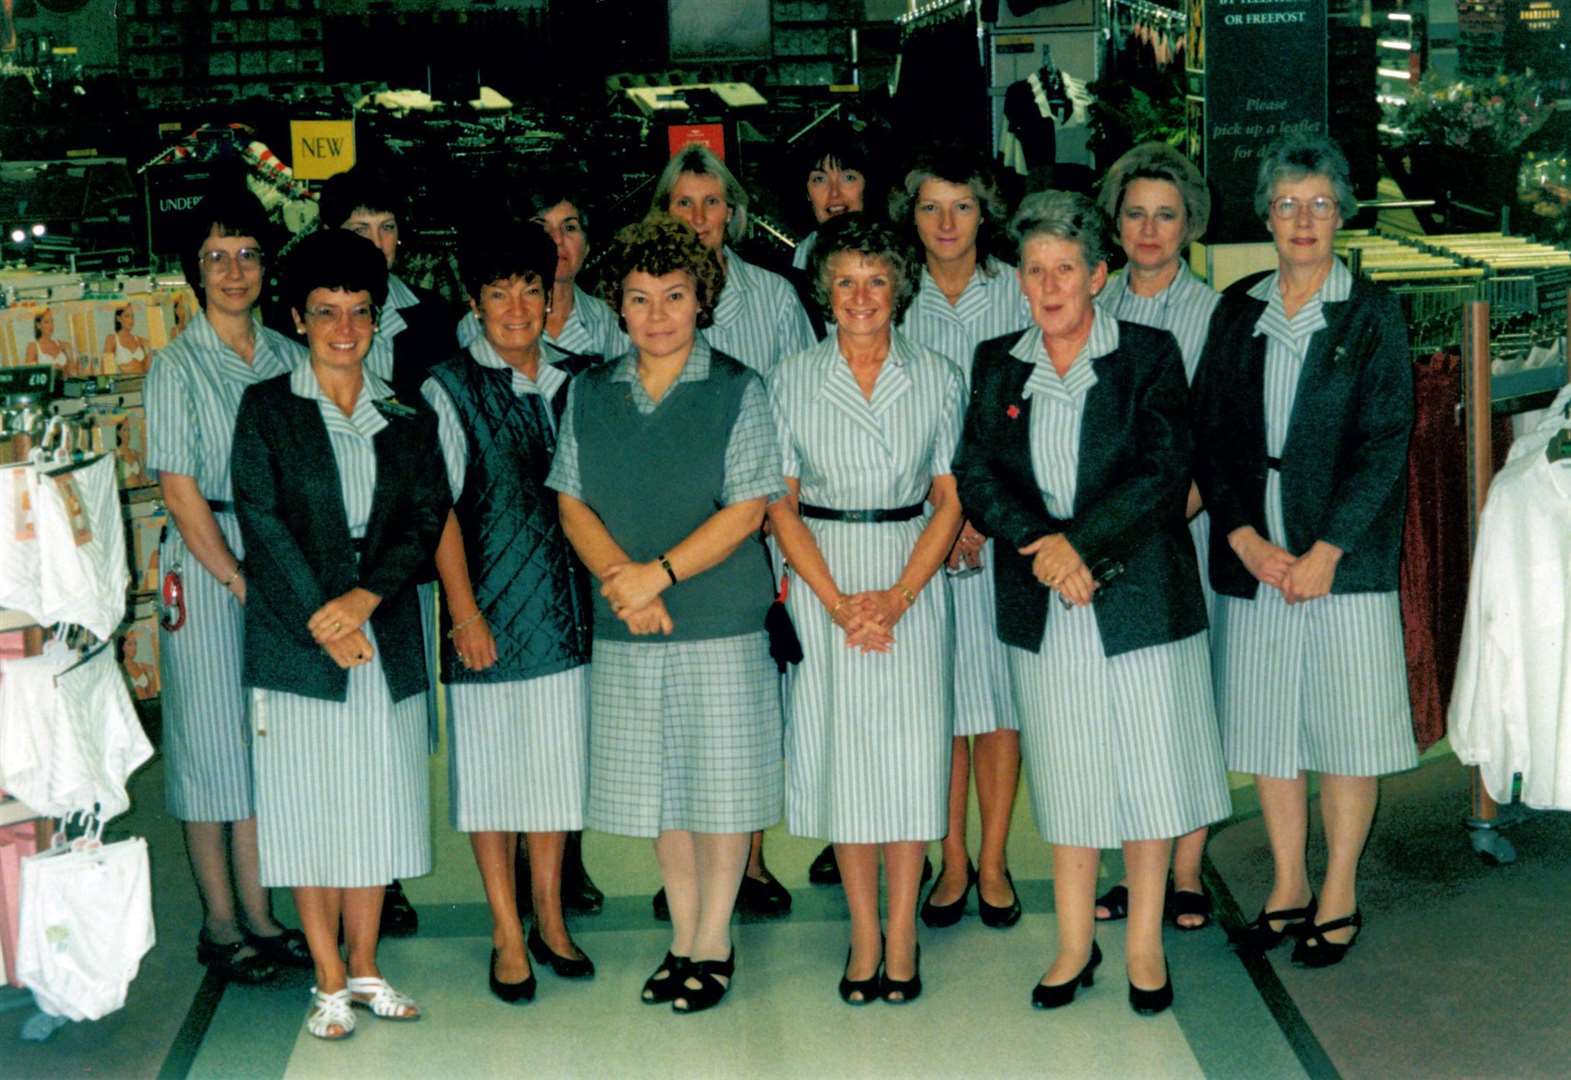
[1475, 117]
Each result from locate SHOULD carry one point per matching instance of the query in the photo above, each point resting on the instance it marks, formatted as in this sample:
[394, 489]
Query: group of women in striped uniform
[628, 494]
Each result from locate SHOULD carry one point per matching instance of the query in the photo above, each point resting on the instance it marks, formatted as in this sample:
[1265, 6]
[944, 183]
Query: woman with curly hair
[665, 461]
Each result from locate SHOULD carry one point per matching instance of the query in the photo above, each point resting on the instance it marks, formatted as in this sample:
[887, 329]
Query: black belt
[861, 517]
[220, 506]
[1274, 463]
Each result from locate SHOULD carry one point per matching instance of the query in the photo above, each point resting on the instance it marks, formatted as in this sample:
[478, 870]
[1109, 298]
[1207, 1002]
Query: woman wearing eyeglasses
[192, 395]
[1304, 403]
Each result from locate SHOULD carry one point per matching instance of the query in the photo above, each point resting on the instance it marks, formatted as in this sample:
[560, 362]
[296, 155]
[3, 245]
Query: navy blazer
[1344, 464]
[298, 550]
[1131, 486]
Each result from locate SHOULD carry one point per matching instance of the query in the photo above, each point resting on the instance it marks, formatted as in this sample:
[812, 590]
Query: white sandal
[330, 1011]
[383, 1001]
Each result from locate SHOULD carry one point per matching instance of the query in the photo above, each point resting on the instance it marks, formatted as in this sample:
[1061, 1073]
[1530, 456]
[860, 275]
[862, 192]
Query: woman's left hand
[1053, 559]
[342, 615]
[633, 586]
[351, 650]
[967, 549]
[882, 606]
[1311, 574]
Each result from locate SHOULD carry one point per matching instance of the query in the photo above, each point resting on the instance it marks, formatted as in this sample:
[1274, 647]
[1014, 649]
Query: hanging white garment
[83, 572]
[18, 542]
[87, 921]
[1511, 703]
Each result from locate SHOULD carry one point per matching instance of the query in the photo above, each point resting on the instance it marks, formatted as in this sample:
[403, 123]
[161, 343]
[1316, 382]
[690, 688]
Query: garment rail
[932, 14]
[1486, 818]
[1145, 10]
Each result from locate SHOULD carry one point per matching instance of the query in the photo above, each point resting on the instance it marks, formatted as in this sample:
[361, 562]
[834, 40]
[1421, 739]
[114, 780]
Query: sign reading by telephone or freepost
[321, 148]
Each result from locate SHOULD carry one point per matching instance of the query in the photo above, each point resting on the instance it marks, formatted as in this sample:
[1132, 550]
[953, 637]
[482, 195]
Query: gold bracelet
[459, 626]
[834, 612]
[910, 597]
[236, 572]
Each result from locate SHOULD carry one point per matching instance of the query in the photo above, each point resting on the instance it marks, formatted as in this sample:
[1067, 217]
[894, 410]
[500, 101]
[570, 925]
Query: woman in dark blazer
[1076, 458]
[1304, 403]
[341, 498]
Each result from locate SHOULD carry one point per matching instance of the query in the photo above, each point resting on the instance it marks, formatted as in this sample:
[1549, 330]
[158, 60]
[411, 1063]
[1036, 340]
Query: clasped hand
[967, 549]
[342, 616]
[633, 591]
[1056, 564]
[1307, 577]
[868, 618]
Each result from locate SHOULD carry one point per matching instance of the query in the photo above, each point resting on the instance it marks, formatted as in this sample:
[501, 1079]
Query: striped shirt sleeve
[449, 434]
[172, 433]
[564, 476]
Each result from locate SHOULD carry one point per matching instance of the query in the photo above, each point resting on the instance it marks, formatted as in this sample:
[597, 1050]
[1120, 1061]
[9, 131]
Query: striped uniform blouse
[991, 306]
[388, 326]
[759, 320]
[1183, 309]
[592, 329]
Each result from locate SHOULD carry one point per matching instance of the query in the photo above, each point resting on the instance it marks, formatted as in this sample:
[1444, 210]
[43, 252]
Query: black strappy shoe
[1313, 950]
[1116, 900]
[287, 948]
[227, 961]
[1261, 937]
[659, 989]
[711, 991]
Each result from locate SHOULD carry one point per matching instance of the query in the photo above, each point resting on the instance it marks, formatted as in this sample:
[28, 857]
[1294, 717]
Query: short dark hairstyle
[847, 148]
[517, 249]
[873, 239]
[230, 209]
[543, 190]
[954, 163]
[362, 188]
[661, 245]
[333, 259]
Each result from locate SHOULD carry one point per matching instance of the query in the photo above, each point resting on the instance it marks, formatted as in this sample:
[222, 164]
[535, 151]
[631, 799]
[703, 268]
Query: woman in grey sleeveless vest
[665, 461]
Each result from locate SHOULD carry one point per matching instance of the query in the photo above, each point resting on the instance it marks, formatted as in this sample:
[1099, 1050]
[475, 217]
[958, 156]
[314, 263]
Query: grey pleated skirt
[1117, 749]
[518, 754]
[343, 792]
[1320, 686]
[983, 701]
[206, 743]
[684, 735]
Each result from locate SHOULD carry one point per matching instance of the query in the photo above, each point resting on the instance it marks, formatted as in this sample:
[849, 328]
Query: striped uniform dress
[1116, 749]
[193, 394]
[592, 329]
[804, 250]
[343, 794]
[758, 319]
[869, 734]
[517, 755]
[1184, 310]
[991, 306]
[1320, 685]
[685, 734]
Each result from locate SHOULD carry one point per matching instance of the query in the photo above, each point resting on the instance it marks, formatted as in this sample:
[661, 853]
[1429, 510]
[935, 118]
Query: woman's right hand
[653, 618]
[351, 650]
[1267, 562]
[475, 643]
[862, 629]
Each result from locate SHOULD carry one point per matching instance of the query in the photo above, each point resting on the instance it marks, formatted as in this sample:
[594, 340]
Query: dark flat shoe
[564, 967]
[1151, 1002]
[287, 949]
[661, 908]
[1057, 995]
[999, 918]
[939, 916]
[519, 993]
[225, 960]
[711, 991]
[764, 897]
[399, 918]
[1313, 950]
[1116, 900]
[580, 895]
[1261, 937]
[908, 989]
[1184, 902]
[659, 989]
[824, 870]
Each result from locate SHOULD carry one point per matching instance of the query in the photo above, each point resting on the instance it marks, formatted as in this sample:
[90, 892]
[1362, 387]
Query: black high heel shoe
[939, 916]
[1151, 1002]
[1261, 937]
[657, 989]
[519, 993]
[1058, 995]
[565, 967]
[711, 991]
[868, 988]
[1000, 918]
[908, 989]
[1313, 950]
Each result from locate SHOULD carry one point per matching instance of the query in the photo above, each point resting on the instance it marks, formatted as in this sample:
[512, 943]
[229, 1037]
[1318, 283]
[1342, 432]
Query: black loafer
[824, 870]
[764, 897]
[399, 918]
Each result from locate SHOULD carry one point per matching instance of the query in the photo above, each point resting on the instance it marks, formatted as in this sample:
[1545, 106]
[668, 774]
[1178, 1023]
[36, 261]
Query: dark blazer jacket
[1131, 487]
[1344, 464]
[426, 340]
[298, 550]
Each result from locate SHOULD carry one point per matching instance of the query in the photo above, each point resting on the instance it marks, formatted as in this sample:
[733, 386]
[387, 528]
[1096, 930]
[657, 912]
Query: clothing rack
[932, 14]
[1480, 402]
[1147, 11]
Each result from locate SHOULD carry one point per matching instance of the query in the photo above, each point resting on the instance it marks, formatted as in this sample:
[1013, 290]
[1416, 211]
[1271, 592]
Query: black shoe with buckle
[399, 918]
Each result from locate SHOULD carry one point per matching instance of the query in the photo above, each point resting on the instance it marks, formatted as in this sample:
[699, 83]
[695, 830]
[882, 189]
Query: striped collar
[268, 359]
[1081, 375]
[973, 299]
[741, 279]
[1273, 321]
[367, 419]
[548, 377]
[1184, 285]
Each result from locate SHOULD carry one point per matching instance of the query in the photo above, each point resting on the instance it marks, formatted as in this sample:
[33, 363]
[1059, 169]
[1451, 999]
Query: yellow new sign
[321, 147]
